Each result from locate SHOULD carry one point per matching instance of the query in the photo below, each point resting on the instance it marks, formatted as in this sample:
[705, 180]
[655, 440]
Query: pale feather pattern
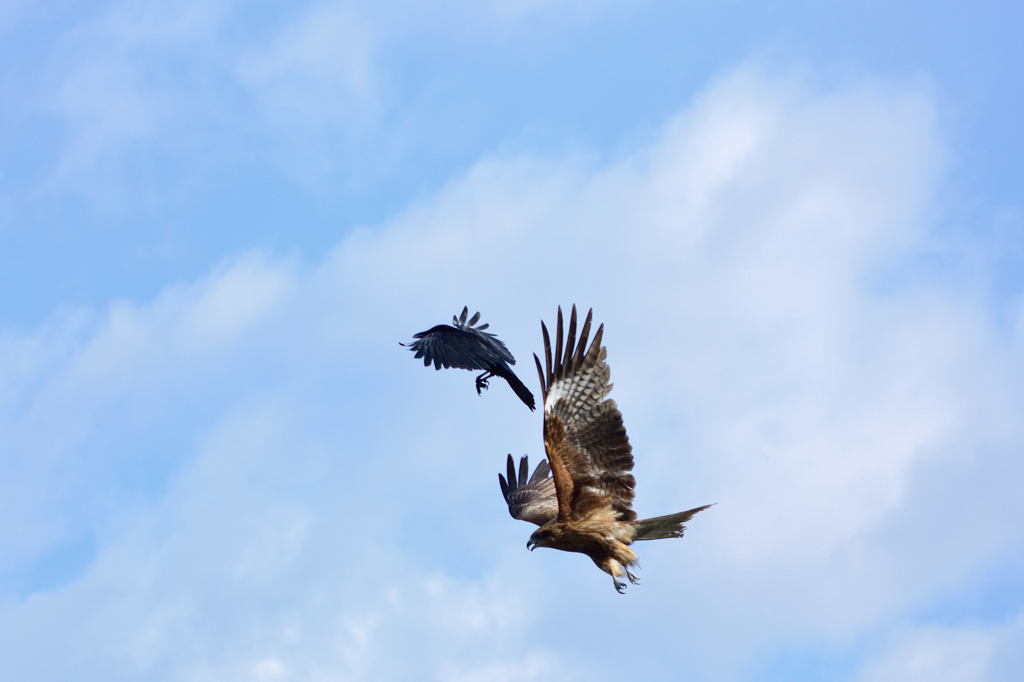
[582, 429]
[534, 500]
[668, 526]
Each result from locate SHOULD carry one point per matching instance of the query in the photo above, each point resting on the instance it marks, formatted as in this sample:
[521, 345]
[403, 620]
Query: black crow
[465, 346]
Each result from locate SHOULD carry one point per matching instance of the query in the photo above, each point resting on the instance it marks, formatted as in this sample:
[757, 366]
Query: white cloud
[318, 67]
[133, 87]
[122, 98]
[119, 80]
[277, 491]
[943, 654]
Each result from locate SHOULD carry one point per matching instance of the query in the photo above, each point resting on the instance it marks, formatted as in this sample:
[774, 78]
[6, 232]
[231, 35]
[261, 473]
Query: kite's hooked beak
[531, 544]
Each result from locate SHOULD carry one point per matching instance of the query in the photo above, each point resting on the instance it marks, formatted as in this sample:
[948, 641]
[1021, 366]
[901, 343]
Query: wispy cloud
[318, 70]
[947, 654]
[134, 89]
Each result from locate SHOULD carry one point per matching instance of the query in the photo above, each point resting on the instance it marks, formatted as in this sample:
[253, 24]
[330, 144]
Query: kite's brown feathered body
[590, 459]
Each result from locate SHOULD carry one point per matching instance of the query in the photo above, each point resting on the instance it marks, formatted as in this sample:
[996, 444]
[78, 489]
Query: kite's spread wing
[532, 500]
[585, 440]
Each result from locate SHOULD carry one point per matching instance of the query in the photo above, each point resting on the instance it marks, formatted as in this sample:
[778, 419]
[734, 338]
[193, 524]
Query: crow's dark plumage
[465, 346]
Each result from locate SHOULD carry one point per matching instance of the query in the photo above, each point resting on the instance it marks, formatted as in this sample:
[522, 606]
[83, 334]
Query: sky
[801, 224]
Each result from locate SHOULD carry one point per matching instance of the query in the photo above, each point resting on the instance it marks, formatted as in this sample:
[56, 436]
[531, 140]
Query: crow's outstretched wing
[463, 346]
[532, 500]
[586, 443]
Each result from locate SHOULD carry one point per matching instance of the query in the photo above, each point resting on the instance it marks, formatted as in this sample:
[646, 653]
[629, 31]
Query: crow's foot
[481, 381]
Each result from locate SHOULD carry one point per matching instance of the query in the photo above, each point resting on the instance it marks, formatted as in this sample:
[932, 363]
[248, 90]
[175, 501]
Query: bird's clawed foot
[481, 381]
[632, 578]
[620, 587]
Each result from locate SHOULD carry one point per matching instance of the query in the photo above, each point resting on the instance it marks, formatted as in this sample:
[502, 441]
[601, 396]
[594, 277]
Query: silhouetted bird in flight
[465, 346]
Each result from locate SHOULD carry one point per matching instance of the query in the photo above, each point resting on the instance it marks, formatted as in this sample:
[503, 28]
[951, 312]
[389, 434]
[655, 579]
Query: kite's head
[542, 537]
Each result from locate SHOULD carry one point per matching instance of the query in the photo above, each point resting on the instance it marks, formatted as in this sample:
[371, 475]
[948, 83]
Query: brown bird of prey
[466, 346]
[586, 505]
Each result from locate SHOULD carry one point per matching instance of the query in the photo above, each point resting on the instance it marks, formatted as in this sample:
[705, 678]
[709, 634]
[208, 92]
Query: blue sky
[800, 223]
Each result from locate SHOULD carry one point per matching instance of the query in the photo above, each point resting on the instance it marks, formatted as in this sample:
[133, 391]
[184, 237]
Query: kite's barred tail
[670, 526]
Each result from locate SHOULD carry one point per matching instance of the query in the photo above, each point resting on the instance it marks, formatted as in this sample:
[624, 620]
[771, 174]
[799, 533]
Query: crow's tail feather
[670, 526]
[518, 386]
